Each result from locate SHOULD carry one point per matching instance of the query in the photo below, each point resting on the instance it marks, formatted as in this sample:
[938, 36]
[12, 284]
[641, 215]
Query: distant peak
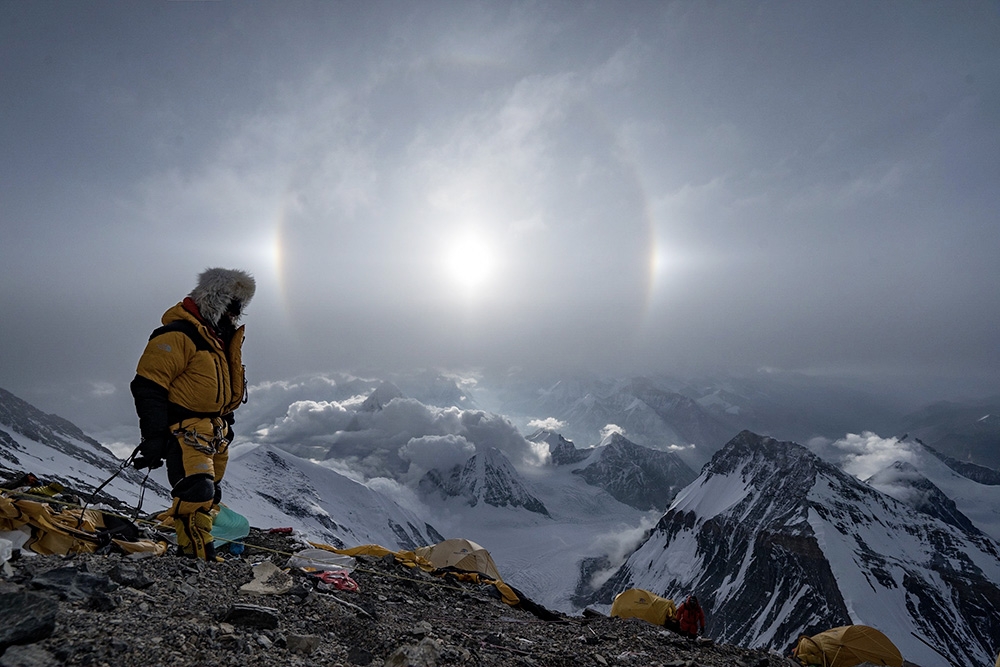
[766, 451]
[380, 397]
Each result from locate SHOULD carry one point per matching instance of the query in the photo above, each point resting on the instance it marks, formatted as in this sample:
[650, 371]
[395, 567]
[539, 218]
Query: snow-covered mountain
[561, 450]
[272, 487]
[646, 479]
[648, 413]
[379, 398]
[54, 449]
[903, 481]
[937, 485]
[976, 473]
[488, 478]
[703, 414]
[777, 542]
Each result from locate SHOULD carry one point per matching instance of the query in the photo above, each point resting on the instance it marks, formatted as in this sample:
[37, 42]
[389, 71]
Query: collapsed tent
[50, 530]
[847, 646]
[50, 527]
[637, 603]
[460, 554]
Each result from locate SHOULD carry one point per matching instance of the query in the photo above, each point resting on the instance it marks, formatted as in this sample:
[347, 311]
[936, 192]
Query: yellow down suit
[189, 381]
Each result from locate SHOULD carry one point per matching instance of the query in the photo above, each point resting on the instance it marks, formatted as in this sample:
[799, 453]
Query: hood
[218, 287]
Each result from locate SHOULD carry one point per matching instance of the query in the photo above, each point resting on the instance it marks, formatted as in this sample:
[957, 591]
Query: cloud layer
[404, 438]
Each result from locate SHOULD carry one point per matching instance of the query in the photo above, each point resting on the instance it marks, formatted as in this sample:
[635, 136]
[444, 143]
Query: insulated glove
[150, 453]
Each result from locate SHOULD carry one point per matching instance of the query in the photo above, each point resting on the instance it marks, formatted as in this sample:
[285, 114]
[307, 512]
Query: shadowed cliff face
[640, 477]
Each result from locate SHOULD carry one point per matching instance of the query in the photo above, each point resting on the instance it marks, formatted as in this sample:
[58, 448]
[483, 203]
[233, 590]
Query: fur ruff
[217, 287]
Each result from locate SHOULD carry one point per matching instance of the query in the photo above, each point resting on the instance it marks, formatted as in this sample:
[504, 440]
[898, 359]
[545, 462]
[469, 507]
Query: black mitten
[150, 453]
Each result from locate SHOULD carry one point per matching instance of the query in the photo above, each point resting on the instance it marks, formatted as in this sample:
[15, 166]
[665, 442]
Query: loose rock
[26, 656]
[305, 644]
[398, 617]
[26, 617]
[253, 616]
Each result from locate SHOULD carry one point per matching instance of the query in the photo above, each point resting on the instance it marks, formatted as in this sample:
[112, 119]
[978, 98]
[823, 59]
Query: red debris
[339, 579]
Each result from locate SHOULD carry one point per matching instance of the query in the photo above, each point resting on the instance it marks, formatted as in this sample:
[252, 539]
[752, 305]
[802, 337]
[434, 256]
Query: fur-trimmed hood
[218, 287]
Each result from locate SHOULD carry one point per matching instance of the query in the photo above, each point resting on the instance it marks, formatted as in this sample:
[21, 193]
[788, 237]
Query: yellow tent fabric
[638, 603]
[460, 554]
[63, 531]
[363, 550]
[478, 568]
[52, 531]
[146, 547]
[847, 646]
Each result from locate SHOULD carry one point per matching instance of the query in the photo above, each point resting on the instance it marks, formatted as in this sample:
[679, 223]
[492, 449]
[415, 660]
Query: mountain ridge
[777, 543]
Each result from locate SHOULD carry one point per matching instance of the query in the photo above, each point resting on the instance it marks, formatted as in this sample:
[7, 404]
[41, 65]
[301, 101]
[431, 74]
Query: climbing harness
[216, 444]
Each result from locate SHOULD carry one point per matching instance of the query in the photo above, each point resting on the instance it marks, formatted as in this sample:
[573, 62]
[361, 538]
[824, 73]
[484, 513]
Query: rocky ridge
[93, 609]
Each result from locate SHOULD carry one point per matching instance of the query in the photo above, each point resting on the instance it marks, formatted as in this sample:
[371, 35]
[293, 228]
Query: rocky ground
[116, 611]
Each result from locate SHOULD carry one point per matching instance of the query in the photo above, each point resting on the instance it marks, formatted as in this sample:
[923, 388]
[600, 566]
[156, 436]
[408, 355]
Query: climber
[690, 617]
[189, 380]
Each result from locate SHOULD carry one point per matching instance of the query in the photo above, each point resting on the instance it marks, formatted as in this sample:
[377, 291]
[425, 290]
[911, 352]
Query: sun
[470, 262]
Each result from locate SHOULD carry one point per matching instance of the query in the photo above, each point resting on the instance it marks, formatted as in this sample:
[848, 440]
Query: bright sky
[617, 186]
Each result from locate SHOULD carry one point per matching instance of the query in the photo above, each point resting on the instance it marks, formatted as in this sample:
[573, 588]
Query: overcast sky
[617, 186]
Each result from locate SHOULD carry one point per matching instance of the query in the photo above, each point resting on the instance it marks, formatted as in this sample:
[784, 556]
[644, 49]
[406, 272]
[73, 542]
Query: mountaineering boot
[194, 535]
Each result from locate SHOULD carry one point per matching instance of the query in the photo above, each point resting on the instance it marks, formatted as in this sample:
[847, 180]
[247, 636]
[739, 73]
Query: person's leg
[191, 472]
[192, 521]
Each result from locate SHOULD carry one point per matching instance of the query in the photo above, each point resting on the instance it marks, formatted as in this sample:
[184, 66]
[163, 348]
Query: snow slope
[979, 502]
[274, 488]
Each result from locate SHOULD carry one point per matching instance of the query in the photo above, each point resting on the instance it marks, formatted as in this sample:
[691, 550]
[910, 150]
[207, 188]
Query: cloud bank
[404, 438]
[867, 453]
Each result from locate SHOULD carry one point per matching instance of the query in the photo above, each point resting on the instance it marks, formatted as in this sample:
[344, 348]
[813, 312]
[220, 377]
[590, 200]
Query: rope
[121, 468]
